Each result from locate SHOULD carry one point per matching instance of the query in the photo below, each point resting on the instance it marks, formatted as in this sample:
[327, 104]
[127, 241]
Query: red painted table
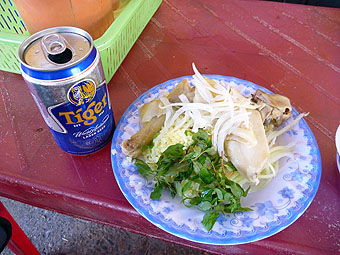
[290, 49]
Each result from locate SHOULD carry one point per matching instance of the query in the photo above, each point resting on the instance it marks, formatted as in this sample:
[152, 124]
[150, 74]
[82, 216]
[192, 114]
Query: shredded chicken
[249, 159]
[274, 108]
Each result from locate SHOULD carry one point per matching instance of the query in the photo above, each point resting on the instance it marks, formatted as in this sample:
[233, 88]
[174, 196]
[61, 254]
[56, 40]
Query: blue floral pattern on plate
[275, 207]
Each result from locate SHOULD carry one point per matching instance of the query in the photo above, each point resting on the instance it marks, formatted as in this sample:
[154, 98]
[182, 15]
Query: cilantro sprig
[181, 170]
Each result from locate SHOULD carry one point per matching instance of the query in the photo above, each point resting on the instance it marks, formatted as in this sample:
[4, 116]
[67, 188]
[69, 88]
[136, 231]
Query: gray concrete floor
[54, 233]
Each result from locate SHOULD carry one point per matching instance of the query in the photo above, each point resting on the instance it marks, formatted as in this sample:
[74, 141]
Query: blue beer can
[63, 71]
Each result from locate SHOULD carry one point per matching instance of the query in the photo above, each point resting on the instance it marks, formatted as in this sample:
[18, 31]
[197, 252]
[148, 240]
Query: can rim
[40, 34]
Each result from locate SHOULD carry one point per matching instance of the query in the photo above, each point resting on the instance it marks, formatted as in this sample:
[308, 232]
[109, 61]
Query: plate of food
[216, 159]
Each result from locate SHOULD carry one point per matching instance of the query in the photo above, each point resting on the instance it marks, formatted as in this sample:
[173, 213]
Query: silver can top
[55, 48]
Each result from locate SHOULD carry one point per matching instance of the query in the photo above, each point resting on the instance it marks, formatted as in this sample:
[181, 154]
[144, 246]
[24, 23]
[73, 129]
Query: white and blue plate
[275, 207]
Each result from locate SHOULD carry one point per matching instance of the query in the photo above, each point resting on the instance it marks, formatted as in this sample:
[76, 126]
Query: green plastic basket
[113, 45]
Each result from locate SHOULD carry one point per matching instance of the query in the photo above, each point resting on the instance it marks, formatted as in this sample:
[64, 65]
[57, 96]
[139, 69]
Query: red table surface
[290, 49]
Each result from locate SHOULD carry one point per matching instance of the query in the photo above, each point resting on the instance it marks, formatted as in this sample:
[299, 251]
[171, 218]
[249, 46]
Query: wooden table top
[290, 49]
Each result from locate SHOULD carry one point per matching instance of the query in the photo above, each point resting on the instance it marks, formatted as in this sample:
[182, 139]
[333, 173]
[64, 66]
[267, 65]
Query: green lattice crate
[113, 45]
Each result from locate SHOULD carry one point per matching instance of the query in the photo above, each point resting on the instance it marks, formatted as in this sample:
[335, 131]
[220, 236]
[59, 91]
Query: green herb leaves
[199, 176]
[169, 157]
[143, 168]
[157, 192]
[206, 176]
[209, 220]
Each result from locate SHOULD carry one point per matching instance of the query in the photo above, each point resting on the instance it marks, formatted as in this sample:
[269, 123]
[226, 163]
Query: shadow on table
[324, 3]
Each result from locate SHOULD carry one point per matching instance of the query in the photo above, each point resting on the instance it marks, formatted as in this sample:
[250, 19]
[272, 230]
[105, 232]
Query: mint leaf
[143, 168]
[171, 153]
[204, 206]
[185, 175]
[201, 139]
[200, 135]
[227, 196]
[186, 186]
[207, 195]
[211, 151]
[168, 158]
[177, 168]
[178, 188]
[219, 194]
[209, 220]
[233, 206]
[157, 192]
[197, 166]
[191, 155]
[236, 189]
[206, 176]
[195, 201]
[197, 151]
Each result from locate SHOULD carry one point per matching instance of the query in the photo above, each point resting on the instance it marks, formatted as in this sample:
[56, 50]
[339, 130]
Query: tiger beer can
[63, 71]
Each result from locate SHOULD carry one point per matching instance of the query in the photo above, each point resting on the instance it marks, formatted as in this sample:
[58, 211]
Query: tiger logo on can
[82, 92]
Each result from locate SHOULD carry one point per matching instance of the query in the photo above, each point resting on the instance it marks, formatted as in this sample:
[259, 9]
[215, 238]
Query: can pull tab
[55, 48]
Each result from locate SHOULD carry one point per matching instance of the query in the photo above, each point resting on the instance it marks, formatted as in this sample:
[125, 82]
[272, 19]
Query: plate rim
[232, 240]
